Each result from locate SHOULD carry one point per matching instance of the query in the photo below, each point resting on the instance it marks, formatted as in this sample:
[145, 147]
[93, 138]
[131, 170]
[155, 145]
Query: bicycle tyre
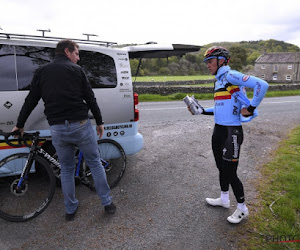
[112, 153]
[36, 194]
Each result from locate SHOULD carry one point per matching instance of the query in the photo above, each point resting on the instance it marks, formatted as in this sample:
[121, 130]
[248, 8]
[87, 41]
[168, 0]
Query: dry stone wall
[166, 89]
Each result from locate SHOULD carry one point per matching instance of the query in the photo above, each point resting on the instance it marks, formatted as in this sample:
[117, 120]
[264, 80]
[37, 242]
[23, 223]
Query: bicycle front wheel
[113, 159]
[34, 195]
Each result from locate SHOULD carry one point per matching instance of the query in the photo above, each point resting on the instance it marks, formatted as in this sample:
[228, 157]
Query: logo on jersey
[245, 78]
[234, 76]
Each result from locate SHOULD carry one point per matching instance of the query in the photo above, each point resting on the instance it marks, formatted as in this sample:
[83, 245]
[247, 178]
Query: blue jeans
[64, 138]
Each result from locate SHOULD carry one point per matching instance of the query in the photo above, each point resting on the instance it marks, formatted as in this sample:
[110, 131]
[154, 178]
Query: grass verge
[207, 96]
[172, 97]
[276, 222]
[172, 78]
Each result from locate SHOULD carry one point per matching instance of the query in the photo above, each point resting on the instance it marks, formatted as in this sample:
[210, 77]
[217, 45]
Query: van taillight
[136, 115]
[136, 98]
[136, 102]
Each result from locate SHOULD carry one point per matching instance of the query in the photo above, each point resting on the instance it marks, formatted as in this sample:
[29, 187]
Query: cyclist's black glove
[251, 109]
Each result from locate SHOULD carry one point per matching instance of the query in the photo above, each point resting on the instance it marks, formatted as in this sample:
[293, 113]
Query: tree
[238, 57]
[252, 57]
[133, 65]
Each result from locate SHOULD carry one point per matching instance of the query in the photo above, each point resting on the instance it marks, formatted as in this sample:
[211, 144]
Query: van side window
[28, 59]
[100, 69]
[18, 64]
[7, 68]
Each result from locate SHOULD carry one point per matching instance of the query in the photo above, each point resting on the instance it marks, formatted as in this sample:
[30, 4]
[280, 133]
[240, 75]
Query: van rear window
[18, 64]
[99, 68]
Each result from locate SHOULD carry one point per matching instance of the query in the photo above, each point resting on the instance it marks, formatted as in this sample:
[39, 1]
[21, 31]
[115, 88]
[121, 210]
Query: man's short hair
[60, 47]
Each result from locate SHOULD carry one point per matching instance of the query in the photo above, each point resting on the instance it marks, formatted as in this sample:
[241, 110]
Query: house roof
[279, 57]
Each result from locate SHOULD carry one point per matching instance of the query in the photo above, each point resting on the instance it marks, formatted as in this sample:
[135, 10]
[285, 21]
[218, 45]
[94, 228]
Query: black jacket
[65, 90]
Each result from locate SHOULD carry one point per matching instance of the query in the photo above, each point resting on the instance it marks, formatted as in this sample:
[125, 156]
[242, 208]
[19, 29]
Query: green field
[171, 78]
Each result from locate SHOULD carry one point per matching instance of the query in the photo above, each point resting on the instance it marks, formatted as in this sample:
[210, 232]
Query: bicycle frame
[105, 164]
[52, 160]
[48, 157]
[34, 149]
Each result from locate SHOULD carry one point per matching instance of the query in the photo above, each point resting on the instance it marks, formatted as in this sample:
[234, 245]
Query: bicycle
[28, 180]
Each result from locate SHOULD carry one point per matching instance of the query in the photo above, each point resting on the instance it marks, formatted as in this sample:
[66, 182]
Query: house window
[275, 77]
[288, 78]
[263, 66]
[290, 66]
[276, 68]
[262, 77]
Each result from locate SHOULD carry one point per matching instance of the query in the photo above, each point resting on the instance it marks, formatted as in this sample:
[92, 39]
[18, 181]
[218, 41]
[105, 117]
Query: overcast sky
[195, 22]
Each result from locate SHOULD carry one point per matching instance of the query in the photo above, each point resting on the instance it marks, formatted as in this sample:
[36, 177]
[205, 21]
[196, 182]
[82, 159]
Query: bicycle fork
[20, 186]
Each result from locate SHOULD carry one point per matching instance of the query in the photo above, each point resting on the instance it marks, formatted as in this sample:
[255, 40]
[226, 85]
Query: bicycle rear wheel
[113, 159]
[36, 192]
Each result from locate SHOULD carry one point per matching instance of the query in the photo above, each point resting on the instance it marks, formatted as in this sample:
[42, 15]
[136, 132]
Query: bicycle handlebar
[8, 142]
[21, 140]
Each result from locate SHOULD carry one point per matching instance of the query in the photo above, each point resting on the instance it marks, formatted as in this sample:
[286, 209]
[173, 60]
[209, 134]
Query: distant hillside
[260, 46]
[243, 56]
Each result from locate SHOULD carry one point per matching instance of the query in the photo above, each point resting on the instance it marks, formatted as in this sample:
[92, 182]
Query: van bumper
[132, 145]
[127, 135]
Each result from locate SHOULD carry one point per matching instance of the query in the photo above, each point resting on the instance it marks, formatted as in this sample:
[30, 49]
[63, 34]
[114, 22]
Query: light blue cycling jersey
[230, 95]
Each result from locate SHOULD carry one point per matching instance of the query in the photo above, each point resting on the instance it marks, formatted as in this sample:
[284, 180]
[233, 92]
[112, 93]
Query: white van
[107, 68]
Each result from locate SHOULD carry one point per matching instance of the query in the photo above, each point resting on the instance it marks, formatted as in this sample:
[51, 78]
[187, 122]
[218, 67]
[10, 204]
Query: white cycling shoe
[238, 216]
[217, 202]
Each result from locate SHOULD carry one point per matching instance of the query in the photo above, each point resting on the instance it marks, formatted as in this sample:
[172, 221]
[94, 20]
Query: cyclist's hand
[21, 130]
[245, 112]
[100, 130]
[189, 109]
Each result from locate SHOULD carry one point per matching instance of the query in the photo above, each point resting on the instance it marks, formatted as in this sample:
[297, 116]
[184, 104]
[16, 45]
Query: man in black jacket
[68, 96]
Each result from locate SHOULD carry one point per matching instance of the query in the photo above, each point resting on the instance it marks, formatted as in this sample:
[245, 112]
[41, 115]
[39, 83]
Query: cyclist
[230, 109]
[68, 96]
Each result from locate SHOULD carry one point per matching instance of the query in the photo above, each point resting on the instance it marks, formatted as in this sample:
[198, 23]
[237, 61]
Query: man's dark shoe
[110, 209]
[70, 217]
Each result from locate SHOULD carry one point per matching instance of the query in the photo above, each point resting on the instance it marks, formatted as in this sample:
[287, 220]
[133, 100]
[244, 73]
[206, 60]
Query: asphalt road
[161, 199]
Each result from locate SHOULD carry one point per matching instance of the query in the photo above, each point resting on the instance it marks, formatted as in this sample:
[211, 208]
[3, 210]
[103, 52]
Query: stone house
[281, 67]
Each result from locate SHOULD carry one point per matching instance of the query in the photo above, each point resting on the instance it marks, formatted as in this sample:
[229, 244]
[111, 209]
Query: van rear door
[160, 51]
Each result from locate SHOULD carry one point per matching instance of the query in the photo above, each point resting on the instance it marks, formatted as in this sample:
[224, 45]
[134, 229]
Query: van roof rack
[49, 38]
